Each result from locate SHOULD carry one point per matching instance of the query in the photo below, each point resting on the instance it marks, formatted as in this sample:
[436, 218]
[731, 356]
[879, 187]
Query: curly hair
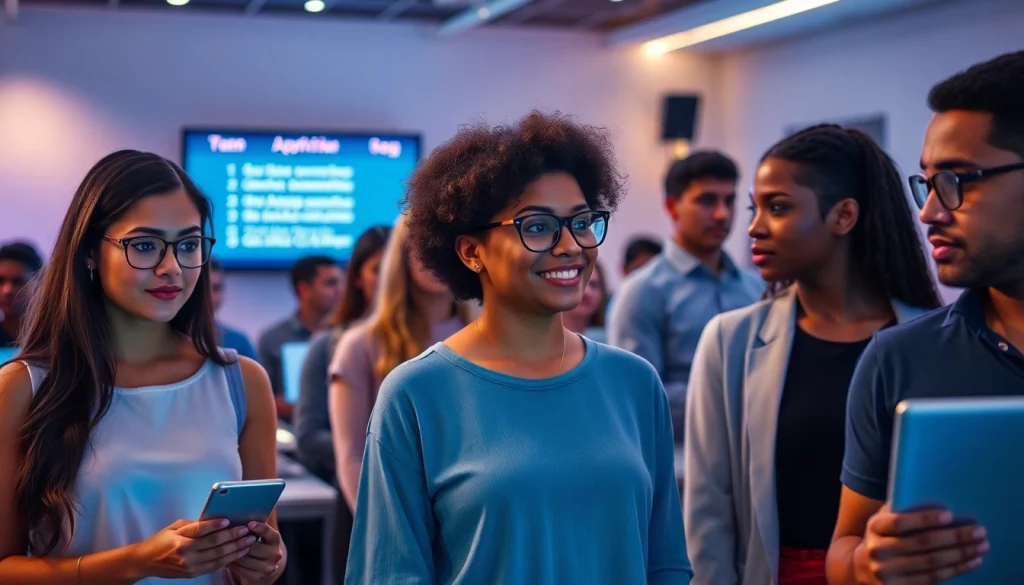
[466, 181]
[843, 163]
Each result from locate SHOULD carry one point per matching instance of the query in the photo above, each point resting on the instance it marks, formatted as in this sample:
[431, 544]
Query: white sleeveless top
[152, 459]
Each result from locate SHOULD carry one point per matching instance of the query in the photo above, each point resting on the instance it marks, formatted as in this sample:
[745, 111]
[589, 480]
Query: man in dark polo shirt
[971, 194]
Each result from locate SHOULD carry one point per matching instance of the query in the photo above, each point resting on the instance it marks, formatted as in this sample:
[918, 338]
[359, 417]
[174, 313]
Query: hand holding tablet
[185, 550]
[925, 545]
[247, 505]
[954, 492]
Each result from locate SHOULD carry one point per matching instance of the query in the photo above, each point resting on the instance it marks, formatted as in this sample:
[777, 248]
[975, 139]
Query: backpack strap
[236, 386]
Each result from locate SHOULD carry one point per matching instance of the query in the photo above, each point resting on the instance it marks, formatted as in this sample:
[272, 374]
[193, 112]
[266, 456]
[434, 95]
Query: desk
[305, 497]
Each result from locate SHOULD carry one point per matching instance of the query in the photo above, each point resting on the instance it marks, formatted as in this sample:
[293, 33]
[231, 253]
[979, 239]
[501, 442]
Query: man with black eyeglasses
[971, 194]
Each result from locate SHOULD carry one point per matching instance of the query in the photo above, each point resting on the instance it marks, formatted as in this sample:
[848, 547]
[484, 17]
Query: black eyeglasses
[948, 185]
[540, 232]
[147, 252]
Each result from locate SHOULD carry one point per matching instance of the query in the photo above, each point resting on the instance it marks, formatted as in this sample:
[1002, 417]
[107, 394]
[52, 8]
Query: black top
[809, 440]
[949, 352]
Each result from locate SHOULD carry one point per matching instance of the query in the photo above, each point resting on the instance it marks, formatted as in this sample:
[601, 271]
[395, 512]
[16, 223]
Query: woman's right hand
[190, 549]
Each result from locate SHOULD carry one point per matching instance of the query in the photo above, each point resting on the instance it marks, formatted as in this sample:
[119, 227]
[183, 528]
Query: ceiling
[594, 15]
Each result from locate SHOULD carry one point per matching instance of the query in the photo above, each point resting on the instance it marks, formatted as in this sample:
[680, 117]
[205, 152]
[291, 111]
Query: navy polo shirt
[948, 352]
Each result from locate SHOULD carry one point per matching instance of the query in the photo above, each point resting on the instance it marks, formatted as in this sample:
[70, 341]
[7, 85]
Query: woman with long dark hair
[121, 412]
[517, 451]
[834, 233]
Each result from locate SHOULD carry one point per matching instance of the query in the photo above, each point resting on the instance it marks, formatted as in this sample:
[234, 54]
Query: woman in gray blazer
[834, 234]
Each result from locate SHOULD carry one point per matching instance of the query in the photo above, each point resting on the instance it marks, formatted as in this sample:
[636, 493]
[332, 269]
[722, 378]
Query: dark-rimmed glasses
[147, 252]
[948, 185]
[540, 232]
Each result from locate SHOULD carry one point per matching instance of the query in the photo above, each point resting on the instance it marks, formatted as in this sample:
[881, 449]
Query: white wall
[76, 85]
[885, 66]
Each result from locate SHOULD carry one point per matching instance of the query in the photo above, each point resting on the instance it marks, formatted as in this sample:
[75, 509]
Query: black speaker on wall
[679, 119]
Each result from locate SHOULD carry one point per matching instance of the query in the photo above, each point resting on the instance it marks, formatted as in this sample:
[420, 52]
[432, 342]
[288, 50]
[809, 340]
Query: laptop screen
[292, 356]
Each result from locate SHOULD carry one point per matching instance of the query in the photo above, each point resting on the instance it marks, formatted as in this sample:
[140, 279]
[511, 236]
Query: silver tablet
[966, 454]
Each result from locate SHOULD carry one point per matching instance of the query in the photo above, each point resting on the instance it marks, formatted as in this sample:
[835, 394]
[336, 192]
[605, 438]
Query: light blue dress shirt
[662, 308]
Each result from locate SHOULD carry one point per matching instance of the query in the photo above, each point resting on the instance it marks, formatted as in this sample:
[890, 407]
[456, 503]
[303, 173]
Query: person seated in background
[971, 194]
[412, 311]
[834, 234]
[639, 251]
[316, 281]
[227, 336]
[517, 451]
[122, 411]
[660, 310]
[312, 418]
[588, 317]
[19, 263]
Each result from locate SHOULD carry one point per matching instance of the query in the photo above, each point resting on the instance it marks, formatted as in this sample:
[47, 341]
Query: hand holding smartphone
[241, 502]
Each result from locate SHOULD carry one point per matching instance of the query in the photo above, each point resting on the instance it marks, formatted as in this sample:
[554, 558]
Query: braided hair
[843, 163]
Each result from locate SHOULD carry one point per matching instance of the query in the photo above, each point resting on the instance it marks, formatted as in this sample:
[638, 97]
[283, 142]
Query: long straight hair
[354, 304]
[399, 328]
[839, 163]
[69, 334]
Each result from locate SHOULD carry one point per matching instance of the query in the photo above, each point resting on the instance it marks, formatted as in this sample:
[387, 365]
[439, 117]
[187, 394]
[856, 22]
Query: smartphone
[242, 501]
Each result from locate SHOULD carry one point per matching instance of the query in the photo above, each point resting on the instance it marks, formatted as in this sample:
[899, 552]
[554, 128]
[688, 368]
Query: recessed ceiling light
[177, 2]
[314, 5]
[483, 13]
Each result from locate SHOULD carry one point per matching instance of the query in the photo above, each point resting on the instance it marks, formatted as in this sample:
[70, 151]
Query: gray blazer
[731, 517]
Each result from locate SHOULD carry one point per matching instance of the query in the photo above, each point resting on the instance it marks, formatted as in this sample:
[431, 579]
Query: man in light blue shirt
[662, 308]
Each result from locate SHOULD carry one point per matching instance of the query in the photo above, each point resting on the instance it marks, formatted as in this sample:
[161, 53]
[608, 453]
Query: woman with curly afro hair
[517, 451]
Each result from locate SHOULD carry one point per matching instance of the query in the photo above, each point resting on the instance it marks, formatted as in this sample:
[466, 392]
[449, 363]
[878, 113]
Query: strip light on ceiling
[733, 24]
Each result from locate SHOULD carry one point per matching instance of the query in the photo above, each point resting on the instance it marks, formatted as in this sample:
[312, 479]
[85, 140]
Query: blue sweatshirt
[471, 477]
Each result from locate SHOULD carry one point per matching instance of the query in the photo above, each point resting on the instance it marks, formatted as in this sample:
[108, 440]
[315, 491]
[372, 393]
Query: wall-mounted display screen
[278, 196]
